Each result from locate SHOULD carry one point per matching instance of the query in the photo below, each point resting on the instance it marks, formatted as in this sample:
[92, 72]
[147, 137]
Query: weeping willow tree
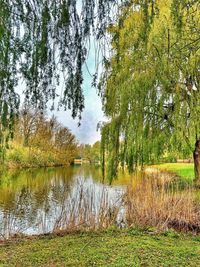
[150, 86]
[42, 44]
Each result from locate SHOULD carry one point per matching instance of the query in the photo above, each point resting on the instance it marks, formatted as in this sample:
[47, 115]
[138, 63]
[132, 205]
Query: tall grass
[88, 209]
[147, 202]
[150, 202]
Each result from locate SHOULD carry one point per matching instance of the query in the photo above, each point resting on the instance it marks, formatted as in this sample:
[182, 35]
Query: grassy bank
[184, 170]
[19, 156]
[110, 248]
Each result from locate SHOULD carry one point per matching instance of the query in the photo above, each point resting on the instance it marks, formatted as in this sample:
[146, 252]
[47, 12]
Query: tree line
[40, 140]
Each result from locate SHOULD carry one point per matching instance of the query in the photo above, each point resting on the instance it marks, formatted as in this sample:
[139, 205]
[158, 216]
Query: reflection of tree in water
[36, 198]
[89, 171]
[27, 197]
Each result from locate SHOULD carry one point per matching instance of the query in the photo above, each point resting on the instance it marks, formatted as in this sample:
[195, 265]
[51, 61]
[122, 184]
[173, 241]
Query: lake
[37, 201]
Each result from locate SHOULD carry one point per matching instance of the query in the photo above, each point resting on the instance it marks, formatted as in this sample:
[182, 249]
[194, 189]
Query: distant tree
[35, 130]
[66, 144]
[96, 151]
[91, 152]
[27, 124]
[44, 132]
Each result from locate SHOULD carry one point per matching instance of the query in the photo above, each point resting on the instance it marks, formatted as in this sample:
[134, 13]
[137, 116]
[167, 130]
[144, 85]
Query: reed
[150, 202]
[147, 201]
[88, 209]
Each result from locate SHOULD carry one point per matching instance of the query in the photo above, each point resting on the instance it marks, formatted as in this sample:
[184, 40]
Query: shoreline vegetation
[153, 200]
[38, 141]
[19, 157]
[161, 227]
[25, 158]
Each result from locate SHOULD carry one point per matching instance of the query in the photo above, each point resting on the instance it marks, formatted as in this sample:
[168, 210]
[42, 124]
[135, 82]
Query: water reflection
[35, 201]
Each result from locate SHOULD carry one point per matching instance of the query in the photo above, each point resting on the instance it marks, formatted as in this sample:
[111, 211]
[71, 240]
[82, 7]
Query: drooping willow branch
[150, 88]
[45, 44]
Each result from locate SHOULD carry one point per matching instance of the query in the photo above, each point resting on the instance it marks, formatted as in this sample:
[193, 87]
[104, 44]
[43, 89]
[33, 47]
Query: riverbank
[183, 170]
[20, 157]
[109, 248]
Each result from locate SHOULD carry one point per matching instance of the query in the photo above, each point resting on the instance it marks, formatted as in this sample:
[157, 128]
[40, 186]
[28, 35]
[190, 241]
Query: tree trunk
[196, 156]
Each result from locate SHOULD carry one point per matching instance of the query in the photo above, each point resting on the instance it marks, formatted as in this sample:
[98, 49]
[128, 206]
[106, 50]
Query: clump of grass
[151, 203]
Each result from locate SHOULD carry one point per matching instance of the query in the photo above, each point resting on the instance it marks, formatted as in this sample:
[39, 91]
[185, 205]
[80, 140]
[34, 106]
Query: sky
[86, 133]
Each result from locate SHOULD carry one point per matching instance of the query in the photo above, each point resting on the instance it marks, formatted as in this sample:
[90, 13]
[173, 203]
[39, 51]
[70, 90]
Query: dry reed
[150, 202]
[88, 210]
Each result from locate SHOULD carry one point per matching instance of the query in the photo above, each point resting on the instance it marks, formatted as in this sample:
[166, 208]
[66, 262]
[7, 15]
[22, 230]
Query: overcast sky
[86, 133]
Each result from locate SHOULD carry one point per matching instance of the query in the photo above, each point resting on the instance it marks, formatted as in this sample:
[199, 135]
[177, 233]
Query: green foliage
[90, 152]
[150, 86]
[18, 155]
[40, 141]
[44, 43]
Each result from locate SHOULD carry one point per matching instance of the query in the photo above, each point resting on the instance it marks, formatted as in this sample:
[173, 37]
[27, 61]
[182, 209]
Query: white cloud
[92, 114]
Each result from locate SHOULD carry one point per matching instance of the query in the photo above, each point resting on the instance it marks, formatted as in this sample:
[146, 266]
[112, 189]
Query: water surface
[35, 201]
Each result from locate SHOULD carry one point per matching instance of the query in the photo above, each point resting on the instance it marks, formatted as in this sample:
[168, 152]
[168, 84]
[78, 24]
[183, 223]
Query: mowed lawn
[110, 248]
[184, 170]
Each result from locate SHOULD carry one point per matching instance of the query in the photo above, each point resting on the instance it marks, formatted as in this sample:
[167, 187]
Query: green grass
[110, 248]
[184, 170]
